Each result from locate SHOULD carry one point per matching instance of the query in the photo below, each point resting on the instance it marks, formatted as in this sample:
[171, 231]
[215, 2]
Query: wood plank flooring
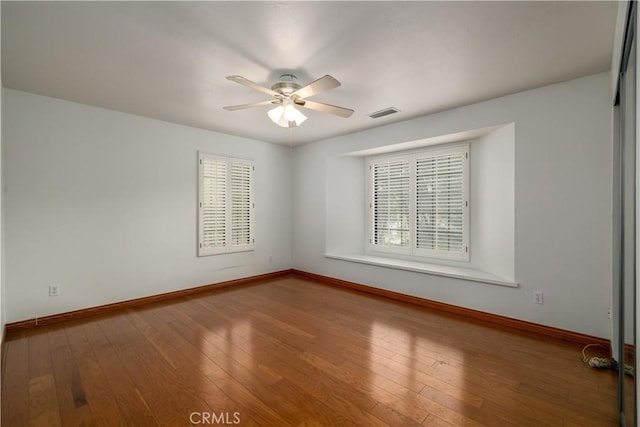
[299, 353]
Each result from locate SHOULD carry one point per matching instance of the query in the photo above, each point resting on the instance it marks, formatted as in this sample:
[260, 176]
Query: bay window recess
[419, 203]
[225, 204]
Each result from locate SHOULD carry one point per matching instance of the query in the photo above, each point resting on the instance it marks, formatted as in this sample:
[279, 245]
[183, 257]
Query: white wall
[563, 173]
[346, 199]
[104, 204]
[492, 202]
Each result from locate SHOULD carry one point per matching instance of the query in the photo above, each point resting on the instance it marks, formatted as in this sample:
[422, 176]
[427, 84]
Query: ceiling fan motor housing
[285, 88]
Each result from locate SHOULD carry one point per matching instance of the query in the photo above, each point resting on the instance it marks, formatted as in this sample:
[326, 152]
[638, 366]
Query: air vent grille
[385, 112]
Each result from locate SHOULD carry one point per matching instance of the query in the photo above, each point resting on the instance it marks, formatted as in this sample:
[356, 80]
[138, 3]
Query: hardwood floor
[296, 352]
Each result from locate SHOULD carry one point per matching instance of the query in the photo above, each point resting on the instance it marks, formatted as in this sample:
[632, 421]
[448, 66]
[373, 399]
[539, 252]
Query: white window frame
[411, 249]
[229, 246]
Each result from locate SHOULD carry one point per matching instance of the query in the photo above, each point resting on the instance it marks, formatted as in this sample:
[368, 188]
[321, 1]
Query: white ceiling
[169, 60]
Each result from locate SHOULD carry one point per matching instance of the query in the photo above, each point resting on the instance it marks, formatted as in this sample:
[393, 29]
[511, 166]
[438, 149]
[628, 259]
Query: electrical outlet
[54, 290]
[609, 313]
[538, 297]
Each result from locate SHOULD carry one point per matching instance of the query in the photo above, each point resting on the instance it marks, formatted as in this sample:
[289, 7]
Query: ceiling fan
[288, 95]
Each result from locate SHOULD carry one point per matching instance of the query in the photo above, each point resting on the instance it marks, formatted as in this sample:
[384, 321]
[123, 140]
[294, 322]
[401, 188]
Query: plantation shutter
[441, 204]
[241, 204]
[213, 204]
[390, 204]
[226, 205]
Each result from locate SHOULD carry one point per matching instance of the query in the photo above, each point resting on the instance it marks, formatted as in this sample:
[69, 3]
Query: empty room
[299, 213]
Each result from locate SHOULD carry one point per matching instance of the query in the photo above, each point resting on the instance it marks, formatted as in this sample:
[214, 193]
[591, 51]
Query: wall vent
[385, 112]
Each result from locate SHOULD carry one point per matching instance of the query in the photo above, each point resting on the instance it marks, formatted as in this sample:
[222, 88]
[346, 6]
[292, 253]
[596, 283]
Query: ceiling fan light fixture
[286, 115]
[292, 114]
[276, 114]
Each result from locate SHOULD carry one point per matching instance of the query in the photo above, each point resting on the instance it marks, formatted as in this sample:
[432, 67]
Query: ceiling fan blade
[326, 108]
[254, 104]
[252, 85]
[315, 87]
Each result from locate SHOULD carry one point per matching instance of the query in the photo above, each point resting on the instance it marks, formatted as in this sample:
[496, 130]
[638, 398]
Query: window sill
[420, 267]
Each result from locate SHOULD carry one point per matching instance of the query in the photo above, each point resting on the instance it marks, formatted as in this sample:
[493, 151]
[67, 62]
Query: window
[225, 204]
[419, 203]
